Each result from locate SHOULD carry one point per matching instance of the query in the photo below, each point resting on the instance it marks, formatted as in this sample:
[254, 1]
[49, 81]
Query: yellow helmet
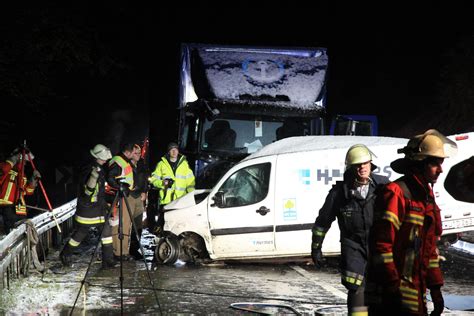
[429, 144]
[358, 154]
[101, 152]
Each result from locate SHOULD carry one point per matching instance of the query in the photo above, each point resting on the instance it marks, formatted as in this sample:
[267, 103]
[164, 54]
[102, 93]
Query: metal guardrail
[13, 247]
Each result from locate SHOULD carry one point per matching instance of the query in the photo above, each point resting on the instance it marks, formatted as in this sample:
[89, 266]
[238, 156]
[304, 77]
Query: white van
[265, 206]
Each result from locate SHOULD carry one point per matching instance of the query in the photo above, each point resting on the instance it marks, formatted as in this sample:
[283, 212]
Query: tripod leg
[144, 260]
[106, 220]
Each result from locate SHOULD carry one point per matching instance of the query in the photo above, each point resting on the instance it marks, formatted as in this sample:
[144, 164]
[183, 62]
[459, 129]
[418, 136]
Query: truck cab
[236, 100]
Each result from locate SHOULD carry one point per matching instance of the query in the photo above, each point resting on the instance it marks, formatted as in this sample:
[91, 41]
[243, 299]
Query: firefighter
[92, 209]
[173, 177]
[14, 186]
[352, 202]
[407, 227]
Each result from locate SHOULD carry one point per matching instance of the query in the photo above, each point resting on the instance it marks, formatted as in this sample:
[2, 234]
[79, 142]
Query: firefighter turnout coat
[355, 217]
[182, 177]
[405, 237]
[91, 203]
[9, 185]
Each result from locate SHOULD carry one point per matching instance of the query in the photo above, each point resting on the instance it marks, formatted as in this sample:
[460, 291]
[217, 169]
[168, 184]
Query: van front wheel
[167, 250]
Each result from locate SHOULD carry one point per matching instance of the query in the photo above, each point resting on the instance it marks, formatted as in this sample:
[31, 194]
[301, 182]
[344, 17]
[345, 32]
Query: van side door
[241, 210]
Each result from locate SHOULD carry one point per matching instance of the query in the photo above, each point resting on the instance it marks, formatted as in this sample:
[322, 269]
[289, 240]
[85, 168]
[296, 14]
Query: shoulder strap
[406, 191]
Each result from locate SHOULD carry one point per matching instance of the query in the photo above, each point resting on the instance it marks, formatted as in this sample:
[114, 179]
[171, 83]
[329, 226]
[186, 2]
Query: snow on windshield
[287, 80]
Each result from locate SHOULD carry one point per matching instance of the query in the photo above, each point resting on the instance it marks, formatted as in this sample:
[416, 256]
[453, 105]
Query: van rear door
[242, 223]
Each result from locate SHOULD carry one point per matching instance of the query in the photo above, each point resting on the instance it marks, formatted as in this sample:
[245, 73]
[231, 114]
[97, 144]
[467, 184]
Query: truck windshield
[248, 136]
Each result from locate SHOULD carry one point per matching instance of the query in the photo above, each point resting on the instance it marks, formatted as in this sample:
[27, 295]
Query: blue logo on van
[304, 176]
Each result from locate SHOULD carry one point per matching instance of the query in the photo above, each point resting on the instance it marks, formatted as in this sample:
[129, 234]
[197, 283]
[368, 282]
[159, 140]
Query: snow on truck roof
[281, 77]
[312, 143]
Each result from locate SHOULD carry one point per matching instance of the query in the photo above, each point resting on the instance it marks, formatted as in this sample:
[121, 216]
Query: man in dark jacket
[92, 209]
[137, 200]
[352, 202]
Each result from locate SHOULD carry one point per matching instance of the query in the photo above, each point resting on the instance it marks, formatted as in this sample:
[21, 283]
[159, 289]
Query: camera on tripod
[168, 182]
[124, 185]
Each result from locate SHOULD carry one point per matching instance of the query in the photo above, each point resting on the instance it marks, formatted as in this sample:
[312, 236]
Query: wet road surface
[207, 289]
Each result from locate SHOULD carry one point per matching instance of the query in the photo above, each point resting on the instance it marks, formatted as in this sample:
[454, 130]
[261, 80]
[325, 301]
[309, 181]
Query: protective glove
[35, 177]
[317, 256]
[14, 158]
[36, 174]
[94, 175]
[29, 155]
[438, 301]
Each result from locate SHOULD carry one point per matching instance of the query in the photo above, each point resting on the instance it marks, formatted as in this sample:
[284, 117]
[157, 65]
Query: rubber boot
[66, 256]
[359, 311]
[108, 261]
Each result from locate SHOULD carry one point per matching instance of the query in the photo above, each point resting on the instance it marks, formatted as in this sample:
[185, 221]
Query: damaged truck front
[235, 100]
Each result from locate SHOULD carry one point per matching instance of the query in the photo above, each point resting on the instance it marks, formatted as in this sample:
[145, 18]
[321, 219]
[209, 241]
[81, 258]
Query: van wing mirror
[219, 199]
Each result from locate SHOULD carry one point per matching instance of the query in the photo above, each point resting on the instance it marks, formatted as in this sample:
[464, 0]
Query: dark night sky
[386, 63]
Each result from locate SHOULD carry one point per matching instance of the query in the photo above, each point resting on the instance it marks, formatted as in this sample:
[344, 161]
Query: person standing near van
[173, 177]
[121, 173]
[407, 228]
[137, 200]
[351, 201]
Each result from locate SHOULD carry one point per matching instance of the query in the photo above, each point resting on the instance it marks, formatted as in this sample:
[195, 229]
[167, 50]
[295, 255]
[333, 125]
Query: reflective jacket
[9, 183]
[120, 167]
[91, 205]
[182, 177]
[405, 237]
[355, 217]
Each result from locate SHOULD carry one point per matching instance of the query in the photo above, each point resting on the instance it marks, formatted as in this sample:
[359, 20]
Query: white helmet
[101, 152]
[358, 154]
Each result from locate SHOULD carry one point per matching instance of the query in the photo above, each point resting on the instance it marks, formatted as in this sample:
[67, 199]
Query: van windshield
[248, 136]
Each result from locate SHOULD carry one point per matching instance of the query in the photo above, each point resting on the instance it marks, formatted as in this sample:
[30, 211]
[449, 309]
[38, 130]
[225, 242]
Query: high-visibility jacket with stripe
[120, 170]
[354, 214]
[183, 179]
[91, 204]
[9, 183]
[405, 236]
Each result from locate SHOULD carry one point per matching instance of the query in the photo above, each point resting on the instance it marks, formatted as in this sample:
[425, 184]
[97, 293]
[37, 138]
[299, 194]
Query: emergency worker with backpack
[352, 202]
[407, 228]
[14, 186]
[92, 209]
